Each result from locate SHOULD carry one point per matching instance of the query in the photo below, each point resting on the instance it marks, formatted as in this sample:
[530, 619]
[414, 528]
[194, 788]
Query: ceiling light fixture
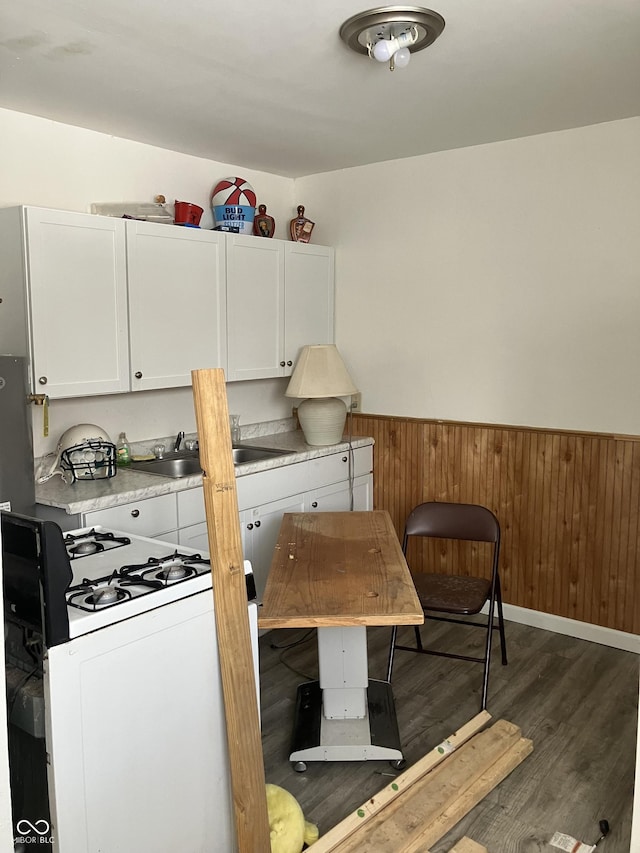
[392, 33]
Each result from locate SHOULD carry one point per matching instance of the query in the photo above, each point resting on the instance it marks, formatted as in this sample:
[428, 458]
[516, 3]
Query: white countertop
[129, 485]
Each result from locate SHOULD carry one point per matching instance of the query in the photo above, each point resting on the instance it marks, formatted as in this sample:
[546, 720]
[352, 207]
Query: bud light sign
[234, 205]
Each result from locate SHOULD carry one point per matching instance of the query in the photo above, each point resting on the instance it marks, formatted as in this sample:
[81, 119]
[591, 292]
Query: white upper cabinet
[280, 296]
[65, 278]
[102, 305]
[255, 307]
[309, 298]
[177, 294]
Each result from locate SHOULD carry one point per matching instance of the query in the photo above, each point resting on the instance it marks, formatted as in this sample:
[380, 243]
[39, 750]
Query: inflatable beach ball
[234, 205]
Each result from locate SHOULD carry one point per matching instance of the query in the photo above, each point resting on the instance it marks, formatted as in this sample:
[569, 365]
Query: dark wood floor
[576, 700]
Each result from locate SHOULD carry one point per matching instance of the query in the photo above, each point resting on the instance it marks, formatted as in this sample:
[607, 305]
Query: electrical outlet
[356, 402]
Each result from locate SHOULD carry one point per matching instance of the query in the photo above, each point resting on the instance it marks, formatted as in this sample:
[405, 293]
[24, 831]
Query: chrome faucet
[178, 442]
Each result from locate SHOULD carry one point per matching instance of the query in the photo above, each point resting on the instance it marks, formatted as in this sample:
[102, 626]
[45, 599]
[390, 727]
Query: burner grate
[92, 542]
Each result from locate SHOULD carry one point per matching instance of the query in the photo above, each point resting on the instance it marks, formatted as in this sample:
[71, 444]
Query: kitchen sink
[172, 465]
[184, 464]
[254, 454]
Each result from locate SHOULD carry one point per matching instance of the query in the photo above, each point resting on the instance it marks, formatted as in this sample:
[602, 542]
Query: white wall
[49, 164]
[498, 283]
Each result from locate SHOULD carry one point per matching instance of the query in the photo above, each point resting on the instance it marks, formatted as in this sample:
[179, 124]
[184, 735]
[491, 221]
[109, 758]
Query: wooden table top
[338, 568]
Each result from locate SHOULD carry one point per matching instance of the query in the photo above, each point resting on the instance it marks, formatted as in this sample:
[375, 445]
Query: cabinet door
[255, 307]
[338, 496]
[78, 303]
[196, 536]
[177, 312]
[309, 298]
[260, 527]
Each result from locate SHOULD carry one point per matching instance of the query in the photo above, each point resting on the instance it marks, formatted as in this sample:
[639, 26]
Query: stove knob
[135, 513]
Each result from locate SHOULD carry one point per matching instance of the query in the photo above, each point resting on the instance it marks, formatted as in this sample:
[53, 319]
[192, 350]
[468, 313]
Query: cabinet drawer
[145, 518]
[273, 484]
[196, 536]
[335, 468]
[191, 507]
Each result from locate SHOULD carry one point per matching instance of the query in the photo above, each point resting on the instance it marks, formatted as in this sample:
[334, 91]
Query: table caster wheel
[299, 766]
[399, 764]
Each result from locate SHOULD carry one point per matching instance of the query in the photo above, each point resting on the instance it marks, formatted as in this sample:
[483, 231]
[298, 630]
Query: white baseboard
[573, 628]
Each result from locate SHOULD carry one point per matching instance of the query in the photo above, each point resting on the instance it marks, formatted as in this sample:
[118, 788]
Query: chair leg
[392, 647]
[487, 657]
[503, 642]
[418, 638]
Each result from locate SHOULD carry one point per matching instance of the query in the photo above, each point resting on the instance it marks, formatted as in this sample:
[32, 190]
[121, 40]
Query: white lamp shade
[320, 372]
[320, 377]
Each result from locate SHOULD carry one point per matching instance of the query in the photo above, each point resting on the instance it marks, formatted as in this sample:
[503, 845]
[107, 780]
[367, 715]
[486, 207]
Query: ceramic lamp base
[322, 420]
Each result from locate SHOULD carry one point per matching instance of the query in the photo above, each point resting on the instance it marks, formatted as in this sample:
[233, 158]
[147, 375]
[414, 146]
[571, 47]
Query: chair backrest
[443, 520]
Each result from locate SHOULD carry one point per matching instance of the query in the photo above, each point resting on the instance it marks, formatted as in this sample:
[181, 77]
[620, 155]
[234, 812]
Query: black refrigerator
[17, 481]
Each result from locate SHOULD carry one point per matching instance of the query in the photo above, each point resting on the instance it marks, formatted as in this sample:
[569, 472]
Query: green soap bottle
[123, 451]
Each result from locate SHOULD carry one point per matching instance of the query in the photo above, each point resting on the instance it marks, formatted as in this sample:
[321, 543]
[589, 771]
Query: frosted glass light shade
[322, 419]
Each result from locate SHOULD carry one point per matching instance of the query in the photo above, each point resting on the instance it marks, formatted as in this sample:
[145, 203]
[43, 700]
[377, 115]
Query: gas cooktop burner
[174, 573]
[170, 569]
[95, 596]
[107, 595]
[92, 542]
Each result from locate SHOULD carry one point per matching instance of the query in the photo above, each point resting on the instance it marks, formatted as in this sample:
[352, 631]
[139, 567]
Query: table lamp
[320, 377]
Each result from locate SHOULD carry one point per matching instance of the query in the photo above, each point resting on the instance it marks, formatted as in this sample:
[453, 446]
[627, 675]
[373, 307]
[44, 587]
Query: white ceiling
[268, 84]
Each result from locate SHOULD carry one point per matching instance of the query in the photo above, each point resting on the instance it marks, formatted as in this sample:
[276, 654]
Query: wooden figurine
[301, 227]
[263, 224]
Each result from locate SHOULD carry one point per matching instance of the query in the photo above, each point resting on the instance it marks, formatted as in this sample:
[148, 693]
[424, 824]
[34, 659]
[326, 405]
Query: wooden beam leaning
[232, 623]
[333, 839]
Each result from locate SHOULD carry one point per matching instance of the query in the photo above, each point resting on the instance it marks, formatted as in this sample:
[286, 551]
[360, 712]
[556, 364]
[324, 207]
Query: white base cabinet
[332, 483]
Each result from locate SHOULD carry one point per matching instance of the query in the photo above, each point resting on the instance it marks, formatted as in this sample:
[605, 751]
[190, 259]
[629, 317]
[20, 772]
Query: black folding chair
[458, 594]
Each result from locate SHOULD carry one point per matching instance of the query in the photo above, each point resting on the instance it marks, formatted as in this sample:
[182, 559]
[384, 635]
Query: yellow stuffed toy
[288, 829]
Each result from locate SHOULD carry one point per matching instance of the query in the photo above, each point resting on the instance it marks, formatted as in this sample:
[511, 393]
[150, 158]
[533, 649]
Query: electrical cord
[306, 636]
[285, 648]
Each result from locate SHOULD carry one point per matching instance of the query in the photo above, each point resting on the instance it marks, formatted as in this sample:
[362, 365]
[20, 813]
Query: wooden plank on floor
[232, 622]
[469, 799]
[362, 815]
[401, 825]
[466, 845]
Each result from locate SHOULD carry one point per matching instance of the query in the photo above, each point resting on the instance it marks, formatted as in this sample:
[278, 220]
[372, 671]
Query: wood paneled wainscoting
[568, 505]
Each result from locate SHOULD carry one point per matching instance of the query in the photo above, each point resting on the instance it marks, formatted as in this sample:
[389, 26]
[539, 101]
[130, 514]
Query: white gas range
[134, 722]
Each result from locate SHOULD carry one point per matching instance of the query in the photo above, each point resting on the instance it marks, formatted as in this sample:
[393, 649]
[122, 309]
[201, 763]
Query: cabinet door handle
[43, 380]
[282, 364]
[289, 363]
[345, 458]
[138, 374]
[258, 524]
[135, 513]
[249, 526]
[314, 504]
